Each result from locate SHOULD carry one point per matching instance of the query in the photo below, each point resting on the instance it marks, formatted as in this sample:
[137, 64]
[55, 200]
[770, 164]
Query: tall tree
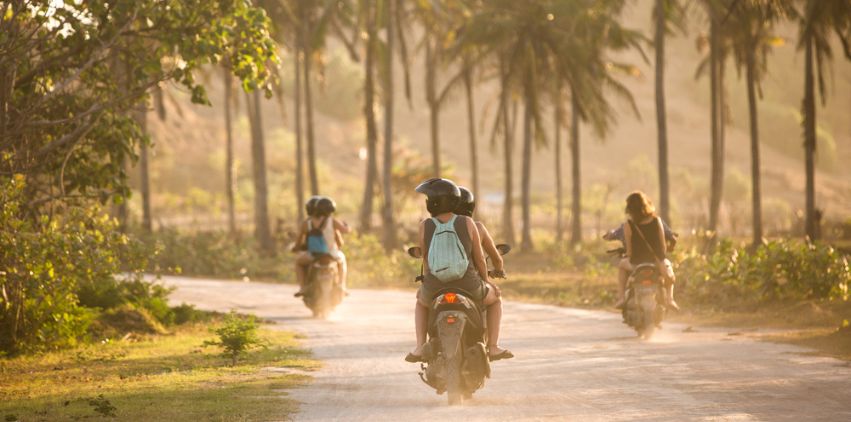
[526, 243]
[471, 124]
[557, 124]
[576, 173]
[144, 167]
[718, 13]
[508, 153]
[664, 11]
[387, 210]
[230, 179]
[369, 115]
[307, 38]
[258, 165]
[752, 24]
[299, 140]
[820, 19]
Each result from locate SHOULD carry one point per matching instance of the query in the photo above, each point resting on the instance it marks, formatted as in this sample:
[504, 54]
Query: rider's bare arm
[341, 226]
[478, 252]
[422, 247]
[662, 235]
[489, 246]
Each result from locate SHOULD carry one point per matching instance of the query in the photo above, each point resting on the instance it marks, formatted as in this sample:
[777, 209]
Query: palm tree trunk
[142, 120]
[299, 142]
[661, 119]
[717, 171]
[526, 179]
[809, 107]
[559, 197]
[471, 127]
[576, 210]
[308, 109]
[387, 212]
[433, 106]
[229, 167]
[371, 126]
[755, 174]
[258, 167]
[508, 151]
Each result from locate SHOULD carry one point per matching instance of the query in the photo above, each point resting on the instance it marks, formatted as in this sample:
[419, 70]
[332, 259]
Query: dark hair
[639, 206]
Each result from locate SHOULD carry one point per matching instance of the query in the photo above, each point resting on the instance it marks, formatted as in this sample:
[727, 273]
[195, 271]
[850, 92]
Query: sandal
[505, 354]
[413, 358]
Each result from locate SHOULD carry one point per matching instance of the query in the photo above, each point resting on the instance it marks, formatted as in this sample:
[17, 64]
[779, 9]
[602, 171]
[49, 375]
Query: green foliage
[78, 69]
[778, 270]
[237, 335]
[45, 265]
[214, 254]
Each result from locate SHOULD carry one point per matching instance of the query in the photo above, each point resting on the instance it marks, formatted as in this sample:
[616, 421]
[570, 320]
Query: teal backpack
[446, 257]
[316, 239]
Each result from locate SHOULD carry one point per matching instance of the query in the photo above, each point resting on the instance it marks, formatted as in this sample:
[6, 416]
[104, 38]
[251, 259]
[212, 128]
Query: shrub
[237, 335]
[778, 270]
[47, 264]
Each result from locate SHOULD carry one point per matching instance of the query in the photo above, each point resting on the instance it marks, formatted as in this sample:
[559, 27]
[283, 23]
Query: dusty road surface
[570, 365]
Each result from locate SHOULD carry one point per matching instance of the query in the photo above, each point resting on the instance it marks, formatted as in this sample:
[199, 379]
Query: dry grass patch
[164, 377]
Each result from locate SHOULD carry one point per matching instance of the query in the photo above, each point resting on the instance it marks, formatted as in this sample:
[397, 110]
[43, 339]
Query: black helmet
[467, 203]
[443, 195]
[325, 206]
[310, 206]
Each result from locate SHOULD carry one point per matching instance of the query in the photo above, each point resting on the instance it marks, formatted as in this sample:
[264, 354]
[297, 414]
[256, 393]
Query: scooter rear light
[450, 319]
[647, 282]
[450, 298]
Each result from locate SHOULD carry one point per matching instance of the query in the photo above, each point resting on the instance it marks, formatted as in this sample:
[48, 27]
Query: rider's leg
[668, 271]
[343, 271]
[624, 268]
[421, 327]
[301, 263]
[494, 306]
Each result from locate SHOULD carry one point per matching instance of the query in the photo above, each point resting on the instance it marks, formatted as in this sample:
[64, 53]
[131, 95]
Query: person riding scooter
[466, 206]
[442, 196]
[644, 238]
[320, 222]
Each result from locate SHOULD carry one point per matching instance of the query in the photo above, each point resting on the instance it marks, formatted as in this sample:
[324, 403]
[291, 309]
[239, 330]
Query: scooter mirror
[415, 252]
[503, 248]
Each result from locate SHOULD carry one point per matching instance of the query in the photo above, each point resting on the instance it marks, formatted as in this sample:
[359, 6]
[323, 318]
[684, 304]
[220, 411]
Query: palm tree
[664, 11]
[369, 8]
[819, 18]
[546, 41]
[230, 182]
[557, 123]
[258, 165]
[387, 210]
[718, 13]
[471, 123]
[752, 25]
[145, 184]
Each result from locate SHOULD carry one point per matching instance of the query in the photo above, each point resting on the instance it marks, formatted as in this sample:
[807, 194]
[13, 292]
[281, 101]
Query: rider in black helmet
[320, 211]
[442, 197]
[466, 206]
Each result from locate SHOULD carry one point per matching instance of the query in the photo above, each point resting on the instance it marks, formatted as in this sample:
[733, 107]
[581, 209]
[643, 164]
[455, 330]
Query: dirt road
[571, 365]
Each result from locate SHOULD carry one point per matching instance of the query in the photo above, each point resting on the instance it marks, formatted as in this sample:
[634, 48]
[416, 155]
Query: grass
[163, 377]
